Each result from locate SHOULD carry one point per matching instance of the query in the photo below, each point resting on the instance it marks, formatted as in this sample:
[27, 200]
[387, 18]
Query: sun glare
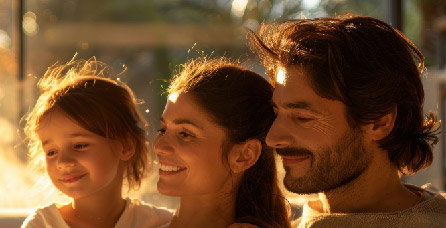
[238, 8]
[173, 97]
[280, 77]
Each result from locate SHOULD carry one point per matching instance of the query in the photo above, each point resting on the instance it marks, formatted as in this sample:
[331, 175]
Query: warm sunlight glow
[238, 8]
[173, 97]
[30, 26]
[310, 4]
[280, 77]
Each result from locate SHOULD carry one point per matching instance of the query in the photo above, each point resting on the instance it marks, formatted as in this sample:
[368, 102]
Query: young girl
[212, 151]
[88, 133]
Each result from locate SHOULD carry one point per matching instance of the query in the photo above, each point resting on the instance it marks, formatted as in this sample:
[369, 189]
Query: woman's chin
[168, 190]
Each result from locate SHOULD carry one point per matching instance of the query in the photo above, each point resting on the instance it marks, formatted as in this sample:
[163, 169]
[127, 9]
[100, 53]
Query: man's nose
[279, 134]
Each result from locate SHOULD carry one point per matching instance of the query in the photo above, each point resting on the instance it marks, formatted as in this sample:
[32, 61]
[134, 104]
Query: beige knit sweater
[430, 212]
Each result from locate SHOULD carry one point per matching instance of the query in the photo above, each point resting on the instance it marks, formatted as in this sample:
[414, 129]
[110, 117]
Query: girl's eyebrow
[74, 135]
[80, 135]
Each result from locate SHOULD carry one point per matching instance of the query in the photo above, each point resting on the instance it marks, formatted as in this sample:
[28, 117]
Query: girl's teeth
[169, 168]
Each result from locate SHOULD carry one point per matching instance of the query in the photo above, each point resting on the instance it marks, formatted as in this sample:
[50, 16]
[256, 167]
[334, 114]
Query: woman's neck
[205, 211]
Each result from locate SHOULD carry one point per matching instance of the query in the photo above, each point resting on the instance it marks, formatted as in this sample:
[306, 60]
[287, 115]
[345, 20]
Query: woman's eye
[161, 131]
[80, 146]
[185, 135]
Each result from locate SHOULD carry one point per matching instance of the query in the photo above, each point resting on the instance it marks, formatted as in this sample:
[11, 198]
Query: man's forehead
[294, 87]
[291, 74]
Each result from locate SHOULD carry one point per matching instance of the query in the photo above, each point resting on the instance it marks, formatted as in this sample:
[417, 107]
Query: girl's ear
[128, 149]
[244, 155]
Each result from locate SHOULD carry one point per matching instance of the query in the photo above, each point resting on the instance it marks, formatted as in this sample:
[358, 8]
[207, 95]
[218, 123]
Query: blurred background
[150, 38]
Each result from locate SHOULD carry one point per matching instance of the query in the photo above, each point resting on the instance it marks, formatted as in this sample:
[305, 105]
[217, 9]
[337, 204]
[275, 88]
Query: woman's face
[189, 149]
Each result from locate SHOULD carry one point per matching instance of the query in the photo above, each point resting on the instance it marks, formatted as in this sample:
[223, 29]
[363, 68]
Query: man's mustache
[294, 152]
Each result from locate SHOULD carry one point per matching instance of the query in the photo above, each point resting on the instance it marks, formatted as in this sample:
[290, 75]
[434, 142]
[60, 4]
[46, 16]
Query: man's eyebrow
[300, 105]
[183, 121]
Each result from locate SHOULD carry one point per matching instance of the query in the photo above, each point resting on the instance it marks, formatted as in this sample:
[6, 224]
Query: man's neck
[377, 190]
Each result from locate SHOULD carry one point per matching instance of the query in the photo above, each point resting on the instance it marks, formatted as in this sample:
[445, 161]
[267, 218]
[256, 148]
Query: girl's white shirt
[136, 214]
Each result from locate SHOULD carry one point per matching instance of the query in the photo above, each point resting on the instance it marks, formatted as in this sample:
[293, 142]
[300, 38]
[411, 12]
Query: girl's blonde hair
[84, 91]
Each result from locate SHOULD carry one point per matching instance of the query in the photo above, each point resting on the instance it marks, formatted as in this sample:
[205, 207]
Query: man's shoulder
[370, 220]
[433, 202]
[430, 212]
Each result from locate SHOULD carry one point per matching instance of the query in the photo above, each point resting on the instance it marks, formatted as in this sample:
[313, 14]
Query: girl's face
[189, 149]
[79, 162]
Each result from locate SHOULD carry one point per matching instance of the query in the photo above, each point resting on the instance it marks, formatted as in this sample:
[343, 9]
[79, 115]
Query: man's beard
[331, 167]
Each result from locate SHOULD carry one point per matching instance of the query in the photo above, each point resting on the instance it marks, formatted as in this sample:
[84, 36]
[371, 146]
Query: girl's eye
[80, 146]
[50, 153]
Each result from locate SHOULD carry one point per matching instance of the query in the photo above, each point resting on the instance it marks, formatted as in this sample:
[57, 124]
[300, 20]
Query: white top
[136, 214]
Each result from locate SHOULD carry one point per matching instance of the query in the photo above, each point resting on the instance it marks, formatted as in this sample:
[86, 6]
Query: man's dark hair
[364, 63]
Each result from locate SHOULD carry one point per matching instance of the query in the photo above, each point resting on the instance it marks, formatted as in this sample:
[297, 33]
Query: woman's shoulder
[47, 216]
[141, 214]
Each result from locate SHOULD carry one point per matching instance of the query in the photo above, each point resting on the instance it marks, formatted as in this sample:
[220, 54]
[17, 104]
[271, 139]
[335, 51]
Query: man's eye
[303, 119]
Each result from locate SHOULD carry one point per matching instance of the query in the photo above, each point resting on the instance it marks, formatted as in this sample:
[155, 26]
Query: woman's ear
[382, 127]
[128, 148]
[244, 155]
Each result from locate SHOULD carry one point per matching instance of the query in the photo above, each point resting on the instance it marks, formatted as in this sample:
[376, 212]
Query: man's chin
[304, 184]
[298, 185]
[298, 190]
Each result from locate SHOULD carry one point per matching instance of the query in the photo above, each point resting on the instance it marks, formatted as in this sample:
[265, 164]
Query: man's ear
[128, 148]
[244, 155]
[382, 127]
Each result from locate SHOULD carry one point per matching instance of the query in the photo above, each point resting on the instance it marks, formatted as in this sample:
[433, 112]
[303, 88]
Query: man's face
[320, 151]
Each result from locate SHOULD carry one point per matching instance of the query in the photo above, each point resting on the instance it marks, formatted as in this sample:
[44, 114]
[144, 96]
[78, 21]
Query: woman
[212, 151]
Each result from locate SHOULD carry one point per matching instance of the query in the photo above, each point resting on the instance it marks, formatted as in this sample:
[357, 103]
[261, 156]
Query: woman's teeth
[170, 168]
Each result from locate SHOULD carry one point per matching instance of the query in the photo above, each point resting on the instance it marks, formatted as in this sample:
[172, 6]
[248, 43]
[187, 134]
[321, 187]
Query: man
[349, 98]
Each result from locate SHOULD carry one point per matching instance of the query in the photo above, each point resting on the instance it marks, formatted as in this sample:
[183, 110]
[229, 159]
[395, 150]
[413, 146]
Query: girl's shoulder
[47, 216]
[140, 214]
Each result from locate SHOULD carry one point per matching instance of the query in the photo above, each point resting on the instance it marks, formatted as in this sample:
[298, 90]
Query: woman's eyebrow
[183, 121]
